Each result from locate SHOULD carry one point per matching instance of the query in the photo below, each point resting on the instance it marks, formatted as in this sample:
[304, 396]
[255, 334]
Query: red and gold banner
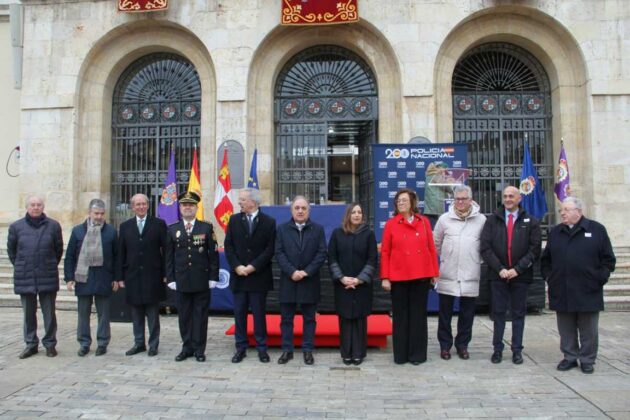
[142, 5]
[319, 12]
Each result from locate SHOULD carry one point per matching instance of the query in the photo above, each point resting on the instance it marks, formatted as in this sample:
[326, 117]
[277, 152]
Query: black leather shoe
[51, 351]
[415, 362]
[152, 352]
[566, 365]
[28, 352]
[357, 362]
[100, 350]
[587, 368]
[239, 356]
[445, 354]
[263, 356]
[463, 354]
[517, 358]
[200, 357]
[497, 356]
[135, 350]
[308, 358]
[182, 356]
[285, 357]
[83, 351]
[347, 362]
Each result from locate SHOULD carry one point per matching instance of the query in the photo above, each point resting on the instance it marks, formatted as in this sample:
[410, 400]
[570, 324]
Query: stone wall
[75, 51]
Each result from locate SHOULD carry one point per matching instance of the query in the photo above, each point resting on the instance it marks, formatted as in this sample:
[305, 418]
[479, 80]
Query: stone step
[617, 290]
[617, 303]
[66, 303]
[7, 288]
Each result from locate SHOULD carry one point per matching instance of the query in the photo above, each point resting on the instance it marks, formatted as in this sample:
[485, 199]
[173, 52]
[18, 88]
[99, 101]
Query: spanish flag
[223, 208]
[194, 185]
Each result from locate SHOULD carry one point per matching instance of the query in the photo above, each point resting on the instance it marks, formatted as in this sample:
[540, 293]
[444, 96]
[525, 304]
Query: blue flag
[252, 181]
[168, 209]
[533, 196]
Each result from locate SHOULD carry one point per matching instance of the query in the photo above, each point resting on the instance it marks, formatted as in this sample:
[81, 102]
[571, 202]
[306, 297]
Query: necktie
[188, 228]
[140, 225]
[250, 223]
[300, 231]
[510, 229]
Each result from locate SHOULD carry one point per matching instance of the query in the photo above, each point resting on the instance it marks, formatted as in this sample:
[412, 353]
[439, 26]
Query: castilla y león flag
[223, 208]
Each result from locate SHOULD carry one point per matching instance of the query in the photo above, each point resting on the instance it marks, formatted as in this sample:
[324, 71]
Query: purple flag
[168, 210]
[562, 176]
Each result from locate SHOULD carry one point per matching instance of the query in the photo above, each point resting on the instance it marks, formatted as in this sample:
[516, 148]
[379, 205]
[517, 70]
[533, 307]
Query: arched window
[326, 111]
[501, 98]
[156, 106]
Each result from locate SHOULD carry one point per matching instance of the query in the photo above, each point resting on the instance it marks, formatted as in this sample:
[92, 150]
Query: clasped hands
[508, 275]
[299, 275]
[244, 271]
[350, 282]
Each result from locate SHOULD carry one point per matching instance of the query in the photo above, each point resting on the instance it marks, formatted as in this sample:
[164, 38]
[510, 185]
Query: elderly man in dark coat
[192, 261]
[35, 246]
[249, 247]
[577, 262]
[300, 252]
[89, 271]
[141, 270]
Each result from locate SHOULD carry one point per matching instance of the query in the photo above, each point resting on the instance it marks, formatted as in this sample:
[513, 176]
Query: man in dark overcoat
[89, 271]
[192, 261]
[576, 263]
[510, 245]
[249, 248]
[141, 270]
[35, 246]
[300, 253]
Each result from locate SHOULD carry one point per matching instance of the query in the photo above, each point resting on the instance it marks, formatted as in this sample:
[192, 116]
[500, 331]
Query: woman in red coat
[408, 265]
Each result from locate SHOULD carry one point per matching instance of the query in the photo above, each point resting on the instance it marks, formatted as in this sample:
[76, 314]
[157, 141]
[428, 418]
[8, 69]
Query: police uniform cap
[189, 197]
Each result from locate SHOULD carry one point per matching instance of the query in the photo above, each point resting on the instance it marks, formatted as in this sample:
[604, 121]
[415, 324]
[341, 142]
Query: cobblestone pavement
[117, 386]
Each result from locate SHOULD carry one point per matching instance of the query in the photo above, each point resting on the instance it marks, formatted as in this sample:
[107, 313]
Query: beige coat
[457, 245]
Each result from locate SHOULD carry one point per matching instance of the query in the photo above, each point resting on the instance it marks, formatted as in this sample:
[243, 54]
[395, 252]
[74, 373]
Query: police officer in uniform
[192, 261]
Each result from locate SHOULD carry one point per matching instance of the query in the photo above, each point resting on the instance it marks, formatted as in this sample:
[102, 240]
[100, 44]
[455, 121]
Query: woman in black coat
[352, 258]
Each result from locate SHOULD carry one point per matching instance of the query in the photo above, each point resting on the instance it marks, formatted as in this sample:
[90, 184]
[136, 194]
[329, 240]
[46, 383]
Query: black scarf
[36, 222]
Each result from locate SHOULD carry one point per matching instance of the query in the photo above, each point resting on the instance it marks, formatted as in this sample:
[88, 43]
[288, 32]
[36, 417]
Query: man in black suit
[140, 269]
[510, 245]
[300, 252]
[192, 261]
[249, 247]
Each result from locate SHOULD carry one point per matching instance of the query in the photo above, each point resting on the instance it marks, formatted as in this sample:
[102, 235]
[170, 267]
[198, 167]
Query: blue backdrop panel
[399, 166]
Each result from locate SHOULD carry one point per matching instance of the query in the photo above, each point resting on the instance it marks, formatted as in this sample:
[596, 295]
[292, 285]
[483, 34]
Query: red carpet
[327, 333]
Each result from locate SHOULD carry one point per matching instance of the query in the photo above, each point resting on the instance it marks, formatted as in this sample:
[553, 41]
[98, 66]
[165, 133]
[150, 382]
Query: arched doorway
[156, 105]
[326, 111]
[502, 98]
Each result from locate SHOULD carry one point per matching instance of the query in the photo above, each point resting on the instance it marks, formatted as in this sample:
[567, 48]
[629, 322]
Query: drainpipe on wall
[16, 18]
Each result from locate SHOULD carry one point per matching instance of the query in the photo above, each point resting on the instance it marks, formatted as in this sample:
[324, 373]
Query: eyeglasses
[462, 199]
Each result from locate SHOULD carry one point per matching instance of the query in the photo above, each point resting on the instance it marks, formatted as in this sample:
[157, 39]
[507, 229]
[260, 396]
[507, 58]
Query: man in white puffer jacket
[456, 237]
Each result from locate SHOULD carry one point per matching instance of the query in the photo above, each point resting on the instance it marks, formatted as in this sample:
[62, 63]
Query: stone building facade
[76, 52]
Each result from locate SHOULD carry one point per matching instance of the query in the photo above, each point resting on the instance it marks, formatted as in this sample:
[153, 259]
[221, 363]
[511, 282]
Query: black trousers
[353, 337]
[29, 307]
[257, 301]
[193, 321]
[152, 314]
[464, 322]
[287, 313]
[508, 295]
[103, 331]
[409, 310]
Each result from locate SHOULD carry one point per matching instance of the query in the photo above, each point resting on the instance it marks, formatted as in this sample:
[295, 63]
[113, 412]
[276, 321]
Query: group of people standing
[146, 254]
